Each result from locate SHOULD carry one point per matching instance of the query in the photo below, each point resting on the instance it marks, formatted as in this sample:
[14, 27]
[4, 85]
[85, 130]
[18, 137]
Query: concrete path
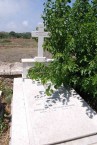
[63, 118]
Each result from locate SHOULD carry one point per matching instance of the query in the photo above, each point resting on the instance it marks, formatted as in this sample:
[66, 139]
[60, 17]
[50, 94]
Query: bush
[27, 35]
[4, 35]
[3, 126]
[73, 44]
[12, 34]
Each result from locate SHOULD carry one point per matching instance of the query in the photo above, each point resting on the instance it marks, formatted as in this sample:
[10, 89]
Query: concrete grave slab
[90, 140]
[60, 118]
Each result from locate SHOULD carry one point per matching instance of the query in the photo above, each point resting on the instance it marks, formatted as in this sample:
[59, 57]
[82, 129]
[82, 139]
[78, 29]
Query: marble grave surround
[62, 118]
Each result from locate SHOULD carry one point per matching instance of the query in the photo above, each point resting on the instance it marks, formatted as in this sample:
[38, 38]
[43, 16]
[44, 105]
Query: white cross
[41, 35]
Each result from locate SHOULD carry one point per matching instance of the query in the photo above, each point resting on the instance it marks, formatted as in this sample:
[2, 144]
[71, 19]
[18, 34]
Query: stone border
[10, 68]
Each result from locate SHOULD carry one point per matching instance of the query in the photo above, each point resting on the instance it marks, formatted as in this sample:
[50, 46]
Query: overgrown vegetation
[73, 45]
[3, 126]
[5, 102]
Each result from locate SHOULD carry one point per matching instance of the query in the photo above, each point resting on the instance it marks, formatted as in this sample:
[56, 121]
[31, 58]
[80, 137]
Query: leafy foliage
[5, 101]
[7, 92]
[72, 43]
[2, 126]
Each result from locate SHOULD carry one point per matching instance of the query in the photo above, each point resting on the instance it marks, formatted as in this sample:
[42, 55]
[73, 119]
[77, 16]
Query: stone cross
[41, 35]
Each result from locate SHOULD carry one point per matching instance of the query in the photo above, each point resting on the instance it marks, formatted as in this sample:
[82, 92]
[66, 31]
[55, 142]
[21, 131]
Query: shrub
[73, 44]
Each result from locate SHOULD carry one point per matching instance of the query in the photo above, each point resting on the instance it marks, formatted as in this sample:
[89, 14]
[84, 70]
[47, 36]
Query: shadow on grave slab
[89, 111]
[62, 96]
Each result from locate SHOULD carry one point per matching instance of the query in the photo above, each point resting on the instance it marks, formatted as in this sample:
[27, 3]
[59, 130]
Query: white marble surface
[91, 140]
[41, 34]
[63, 119]
[19, 130]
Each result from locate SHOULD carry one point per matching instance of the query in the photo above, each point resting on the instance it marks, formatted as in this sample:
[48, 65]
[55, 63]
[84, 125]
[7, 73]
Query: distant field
[12, 50]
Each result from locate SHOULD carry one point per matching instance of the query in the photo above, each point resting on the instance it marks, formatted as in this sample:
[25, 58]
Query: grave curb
[10, 69]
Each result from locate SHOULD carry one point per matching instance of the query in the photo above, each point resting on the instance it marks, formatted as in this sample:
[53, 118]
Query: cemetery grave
[37, 119]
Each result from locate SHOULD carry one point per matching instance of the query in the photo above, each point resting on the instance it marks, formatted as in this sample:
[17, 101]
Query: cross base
[40, 59]
[28, 63]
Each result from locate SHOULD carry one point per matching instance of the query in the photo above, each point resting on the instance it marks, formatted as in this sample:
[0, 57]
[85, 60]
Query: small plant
[3, 126]
[7, 92]
[8, 99]
[5, 109]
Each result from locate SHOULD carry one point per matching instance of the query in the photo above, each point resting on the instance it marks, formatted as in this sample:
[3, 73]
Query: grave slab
[91, 140]
[63, 117]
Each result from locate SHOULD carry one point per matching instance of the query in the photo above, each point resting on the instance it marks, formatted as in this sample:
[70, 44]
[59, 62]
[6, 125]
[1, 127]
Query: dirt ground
[13, 50]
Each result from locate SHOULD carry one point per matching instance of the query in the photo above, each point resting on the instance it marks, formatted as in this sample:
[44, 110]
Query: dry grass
[13, 50]
[16, 49]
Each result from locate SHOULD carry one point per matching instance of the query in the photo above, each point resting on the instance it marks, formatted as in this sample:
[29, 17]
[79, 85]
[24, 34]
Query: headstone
[41, 35]
[62, 117]
[28, 63]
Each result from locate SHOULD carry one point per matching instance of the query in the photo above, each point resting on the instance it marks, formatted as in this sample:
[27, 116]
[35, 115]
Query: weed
[7, 92]
[3, 126]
